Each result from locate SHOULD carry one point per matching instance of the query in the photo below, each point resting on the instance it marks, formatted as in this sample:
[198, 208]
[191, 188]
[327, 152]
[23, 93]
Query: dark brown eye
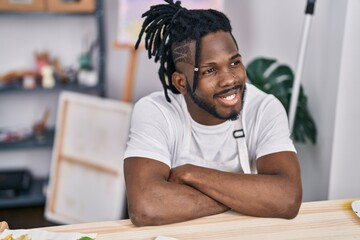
[236, 63]
[209, 71]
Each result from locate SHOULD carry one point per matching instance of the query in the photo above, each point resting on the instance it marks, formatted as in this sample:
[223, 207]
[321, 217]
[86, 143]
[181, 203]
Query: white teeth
[231, 97]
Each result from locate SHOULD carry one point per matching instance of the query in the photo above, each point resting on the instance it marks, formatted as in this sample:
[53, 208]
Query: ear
[179, 81]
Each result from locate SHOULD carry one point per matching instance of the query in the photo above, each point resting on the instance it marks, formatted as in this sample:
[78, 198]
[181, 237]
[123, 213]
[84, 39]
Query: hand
[3, 226]
[180, 174]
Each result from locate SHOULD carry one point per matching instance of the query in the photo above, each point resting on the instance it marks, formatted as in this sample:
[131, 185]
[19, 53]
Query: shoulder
[255, 96]
[267, 124]
[155, 107]
[156, 127]
[257, 102]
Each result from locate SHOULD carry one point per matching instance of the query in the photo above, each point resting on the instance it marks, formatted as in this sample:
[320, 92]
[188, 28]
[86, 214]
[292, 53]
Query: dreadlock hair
[166, 25]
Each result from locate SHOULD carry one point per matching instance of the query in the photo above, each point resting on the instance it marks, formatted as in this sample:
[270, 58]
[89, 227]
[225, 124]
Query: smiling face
[222, 76]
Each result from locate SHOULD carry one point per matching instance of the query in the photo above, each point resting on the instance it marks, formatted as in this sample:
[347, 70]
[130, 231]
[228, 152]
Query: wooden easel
[128, 91]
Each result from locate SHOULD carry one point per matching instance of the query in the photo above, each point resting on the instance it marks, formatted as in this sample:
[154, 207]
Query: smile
[230, 99]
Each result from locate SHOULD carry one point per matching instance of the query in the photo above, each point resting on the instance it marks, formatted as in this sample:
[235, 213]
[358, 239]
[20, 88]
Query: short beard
[234, 115]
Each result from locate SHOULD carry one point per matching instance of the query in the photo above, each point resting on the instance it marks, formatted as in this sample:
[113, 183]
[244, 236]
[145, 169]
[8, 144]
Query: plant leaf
[276, 79]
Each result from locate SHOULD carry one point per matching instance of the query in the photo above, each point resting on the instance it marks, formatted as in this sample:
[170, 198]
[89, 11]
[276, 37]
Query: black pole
[310, 7]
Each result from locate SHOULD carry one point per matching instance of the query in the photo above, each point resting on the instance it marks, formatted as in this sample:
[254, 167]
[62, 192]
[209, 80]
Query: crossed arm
[159, 195]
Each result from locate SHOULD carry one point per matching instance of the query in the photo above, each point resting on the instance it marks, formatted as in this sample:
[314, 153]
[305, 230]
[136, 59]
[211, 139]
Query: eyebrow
[236, 55]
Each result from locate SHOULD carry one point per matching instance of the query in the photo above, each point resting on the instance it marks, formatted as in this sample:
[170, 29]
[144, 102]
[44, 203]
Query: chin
[232, 116]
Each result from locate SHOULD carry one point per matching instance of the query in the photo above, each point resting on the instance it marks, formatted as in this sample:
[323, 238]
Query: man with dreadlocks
[214, 142]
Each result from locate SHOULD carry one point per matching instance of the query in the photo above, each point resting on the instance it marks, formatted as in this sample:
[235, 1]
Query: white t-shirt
[166, 132]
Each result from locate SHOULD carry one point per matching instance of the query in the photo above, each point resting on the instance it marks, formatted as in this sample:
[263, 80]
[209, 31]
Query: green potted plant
[277, 79]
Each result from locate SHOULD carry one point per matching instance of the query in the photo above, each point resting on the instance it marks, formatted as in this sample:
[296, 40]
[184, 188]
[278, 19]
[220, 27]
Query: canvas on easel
[86, 180]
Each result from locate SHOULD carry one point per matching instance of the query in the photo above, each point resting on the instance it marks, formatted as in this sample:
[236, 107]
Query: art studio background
[272, 29]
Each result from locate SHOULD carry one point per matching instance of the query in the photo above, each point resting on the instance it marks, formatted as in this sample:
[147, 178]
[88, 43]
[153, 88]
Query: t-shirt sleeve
[273, 129]
[148, 135]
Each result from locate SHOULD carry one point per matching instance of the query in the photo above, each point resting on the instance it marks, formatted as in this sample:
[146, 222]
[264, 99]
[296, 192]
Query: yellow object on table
[3, 226]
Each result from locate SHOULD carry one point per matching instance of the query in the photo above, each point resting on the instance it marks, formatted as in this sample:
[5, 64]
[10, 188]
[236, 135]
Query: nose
[227, 78]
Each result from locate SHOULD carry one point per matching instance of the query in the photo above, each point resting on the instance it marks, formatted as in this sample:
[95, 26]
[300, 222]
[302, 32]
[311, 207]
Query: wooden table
[316, 220]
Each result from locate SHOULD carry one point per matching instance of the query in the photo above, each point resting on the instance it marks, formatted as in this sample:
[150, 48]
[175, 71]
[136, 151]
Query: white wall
[270, 28]
[345, 166]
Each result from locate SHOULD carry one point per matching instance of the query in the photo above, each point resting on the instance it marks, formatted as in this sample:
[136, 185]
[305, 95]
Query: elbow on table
[291, 207]
[291, 213]
[138, 220]
[143, 214]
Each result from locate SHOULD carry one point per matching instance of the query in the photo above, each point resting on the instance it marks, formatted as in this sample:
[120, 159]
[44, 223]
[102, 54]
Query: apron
[243, 154]
[238, 134]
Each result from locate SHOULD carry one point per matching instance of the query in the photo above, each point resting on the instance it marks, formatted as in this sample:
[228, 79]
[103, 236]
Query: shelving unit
[100, 87]
[35, 196]
[46, 140]
[67, 86]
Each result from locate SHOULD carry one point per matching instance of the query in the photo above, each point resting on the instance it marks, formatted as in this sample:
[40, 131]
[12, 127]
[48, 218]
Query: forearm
[274, 192]
[255, 195]
[165, 202]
